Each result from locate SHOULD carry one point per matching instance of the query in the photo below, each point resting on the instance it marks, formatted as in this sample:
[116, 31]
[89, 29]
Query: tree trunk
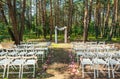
[22, 20]
[107, 19]
[3, 17]
[51, 20]
[43, 3]
[90, 10]
[102, 22]
[56, 12]
[114, 19]
[97, 18]
[30, 14]
[70, 17]
[39, 12]
[14, 21]
[85, 32]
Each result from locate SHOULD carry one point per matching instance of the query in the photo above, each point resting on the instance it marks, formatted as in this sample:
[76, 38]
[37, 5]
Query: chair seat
[40, 53]
[99, 61]
[12, 53]
[2, 53]
[5, 61]
[30, 62]
[18, 62]
[31, 53]
[86, 61]
[22, 53]
[113, 62]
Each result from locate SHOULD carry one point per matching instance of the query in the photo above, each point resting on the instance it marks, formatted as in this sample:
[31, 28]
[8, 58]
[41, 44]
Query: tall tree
[30, 14]
[90, 10]
[22, 20]
[56, 12]
[51, 20]
[114, 19]
[85, 31]
[12, 15]
[70, 12]
[43, 3]
[18, 24]
[97, 18]
[3, 17]
[107, 18]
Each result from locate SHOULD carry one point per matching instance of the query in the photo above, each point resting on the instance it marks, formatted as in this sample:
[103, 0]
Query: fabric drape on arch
[61, 29]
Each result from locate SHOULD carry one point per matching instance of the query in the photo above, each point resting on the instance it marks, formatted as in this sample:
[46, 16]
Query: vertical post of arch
[65, 35]
[56, 34]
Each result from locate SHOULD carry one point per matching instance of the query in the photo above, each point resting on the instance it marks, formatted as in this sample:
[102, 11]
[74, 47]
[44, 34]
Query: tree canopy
[84, 18]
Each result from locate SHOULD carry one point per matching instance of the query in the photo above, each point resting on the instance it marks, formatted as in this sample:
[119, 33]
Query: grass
[61, 45]
[60, 38]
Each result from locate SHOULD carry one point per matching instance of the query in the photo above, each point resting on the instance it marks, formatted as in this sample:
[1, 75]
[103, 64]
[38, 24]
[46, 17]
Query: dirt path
[59, 63]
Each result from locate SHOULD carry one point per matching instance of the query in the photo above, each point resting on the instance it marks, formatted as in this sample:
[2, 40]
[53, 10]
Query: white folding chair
[31, 62]
[79, 54]
[3, 64]
[102, 59]
[87, 60]
[115, 63]
[42, 46]
[14, 65]
[40, 54]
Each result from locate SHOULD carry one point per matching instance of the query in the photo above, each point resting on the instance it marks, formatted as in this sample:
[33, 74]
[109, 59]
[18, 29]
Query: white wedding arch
[61, 29]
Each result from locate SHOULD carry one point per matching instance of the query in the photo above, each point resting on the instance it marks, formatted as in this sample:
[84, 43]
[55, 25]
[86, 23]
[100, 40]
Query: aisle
[59, 63]
[59, 67]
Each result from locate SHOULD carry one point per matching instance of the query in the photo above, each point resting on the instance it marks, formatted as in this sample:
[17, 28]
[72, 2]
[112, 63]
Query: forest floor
[57, 65]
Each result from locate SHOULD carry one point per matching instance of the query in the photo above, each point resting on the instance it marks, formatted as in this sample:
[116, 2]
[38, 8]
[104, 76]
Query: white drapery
[61, 29]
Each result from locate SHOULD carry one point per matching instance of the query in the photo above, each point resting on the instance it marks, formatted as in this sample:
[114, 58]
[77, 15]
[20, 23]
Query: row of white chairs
[22, 52]
[21, 56]
[35, 43]
[110, 60]
[32, 48]
[85, 47]
[89, 43]
[11, 64]
[78, 48]
[43, 46]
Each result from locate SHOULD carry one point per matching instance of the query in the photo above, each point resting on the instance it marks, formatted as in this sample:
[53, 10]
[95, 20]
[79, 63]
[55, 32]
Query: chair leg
[108, 71]
[19, 71]
[4, 72]
[82, 71]
[113, 71]
[33, 71]
[7, 71]
[94, 72]
[97, 71]
[22, 71]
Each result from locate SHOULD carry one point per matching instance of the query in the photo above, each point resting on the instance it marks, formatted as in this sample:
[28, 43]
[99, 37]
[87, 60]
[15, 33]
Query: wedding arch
[61, 29]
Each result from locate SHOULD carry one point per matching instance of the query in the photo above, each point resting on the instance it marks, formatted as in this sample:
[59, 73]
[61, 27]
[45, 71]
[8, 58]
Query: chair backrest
[101, 43]
[30, 57]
